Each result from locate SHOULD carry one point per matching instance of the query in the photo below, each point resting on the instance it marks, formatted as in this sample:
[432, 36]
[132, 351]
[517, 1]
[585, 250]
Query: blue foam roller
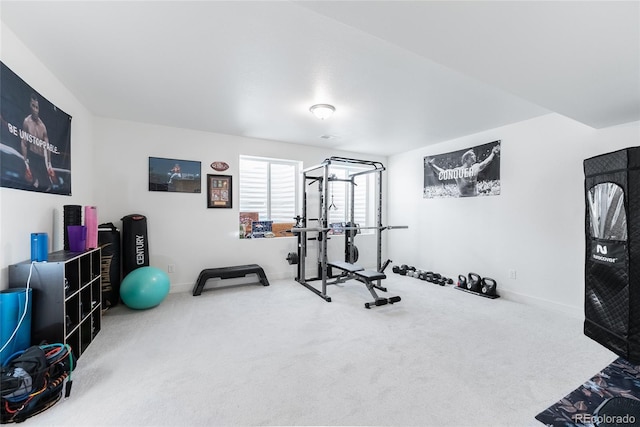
[13, 303]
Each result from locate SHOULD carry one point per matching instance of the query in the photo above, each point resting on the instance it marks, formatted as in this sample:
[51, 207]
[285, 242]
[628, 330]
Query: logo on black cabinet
[608, 252]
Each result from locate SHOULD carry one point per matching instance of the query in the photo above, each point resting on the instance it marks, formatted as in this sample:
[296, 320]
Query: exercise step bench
[368, 277]
[228, 273]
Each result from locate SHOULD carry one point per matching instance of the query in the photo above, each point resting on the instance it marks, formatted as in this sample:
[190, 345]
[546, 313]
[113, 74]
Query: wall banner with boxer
[469, 172]
[35, 141]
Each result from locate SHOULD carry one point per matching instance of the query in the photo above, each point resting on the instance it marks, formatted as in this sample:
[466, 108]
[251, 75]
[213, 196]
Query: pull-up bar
[376, 166]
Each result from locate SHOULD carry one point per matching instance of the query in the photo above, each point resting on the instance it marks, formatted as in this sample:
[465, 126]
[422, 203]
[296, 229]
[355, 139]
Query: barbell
[325, 229]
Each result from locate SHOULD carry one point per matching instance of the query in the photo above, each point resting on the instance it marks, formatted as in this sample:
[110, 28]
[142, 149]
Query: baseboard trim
[575, 312]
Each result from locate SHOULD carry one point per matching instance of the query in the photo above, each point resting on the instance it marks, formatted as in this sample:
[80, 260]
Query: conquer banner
[35, 141]
[463, 173]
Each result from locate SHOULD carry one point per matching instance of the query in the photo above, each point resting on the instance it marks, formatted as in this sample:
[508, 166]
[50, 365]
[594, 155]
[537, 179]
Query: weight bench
[228, 273]
[368, 277]
[345, 266]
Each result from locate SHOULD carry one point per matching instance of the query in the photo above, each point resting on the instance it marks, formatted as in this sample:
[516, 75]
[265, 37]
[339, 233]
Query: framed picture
[218, 191]
[174, 175]
[469, 172]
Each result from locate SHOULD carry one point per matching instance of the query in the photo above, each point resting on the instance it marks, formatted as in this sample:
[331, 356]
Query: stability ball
[144, 287]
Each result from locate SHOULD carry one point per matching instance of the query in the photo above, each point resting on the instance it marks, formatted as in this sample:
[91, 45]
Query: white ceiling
[401, 75]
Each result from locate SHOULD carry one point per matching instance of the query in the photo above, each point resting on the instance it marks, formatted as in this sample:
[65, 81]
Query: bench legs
[377, 300]
[381, 301]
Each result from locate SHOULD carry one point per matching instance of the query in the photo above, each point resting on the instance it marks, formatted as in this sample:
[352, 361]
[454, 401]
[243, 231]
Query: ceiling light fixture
[322, 111]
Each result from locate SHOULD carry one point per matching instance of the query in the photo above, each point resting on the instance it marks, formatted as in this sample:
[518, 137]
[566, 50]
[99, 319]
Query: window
[269, 191]
[339, 196]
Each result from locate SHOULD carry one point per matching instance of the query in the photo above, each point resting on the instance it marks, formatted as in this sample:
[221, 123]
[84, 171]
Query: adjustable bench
[368, 277]
[228, 273]
[345, 266]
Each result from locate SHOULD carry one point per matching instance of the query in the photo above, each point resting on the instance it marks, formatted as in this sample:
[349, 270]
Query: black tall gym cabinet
[612, 258]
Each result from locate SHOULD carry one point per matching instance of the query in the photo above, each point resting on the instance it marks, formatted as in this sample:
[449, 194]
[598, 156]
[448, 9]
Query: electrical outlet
[171, 268]
[512, 274]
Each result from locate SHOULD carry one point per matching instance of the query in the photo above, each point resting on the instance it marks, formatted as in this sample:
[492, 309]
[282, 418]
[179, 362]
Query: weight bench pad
[351, 268]
[369, 275]
[228, 273]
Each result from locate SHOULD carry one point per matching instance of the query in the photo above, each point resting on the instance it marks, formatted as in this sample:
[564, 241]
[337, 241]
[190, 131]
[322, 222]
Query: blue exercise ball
[144, 287]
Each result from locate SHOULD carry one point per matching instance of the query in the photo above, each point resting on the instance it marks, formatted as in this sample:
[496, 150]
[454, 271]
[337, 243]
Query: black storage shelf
[67, 297]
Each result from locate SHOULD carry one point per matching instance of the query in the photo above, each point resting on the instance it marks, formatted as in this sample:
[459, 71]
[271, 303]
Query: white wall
[536, 226]
[24, 212]
[182, 231]
[110, 170]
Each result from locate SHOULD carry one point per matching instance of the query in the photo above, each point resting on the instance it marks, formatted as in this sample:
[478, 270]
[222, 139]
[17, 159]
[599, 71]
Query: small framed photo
[219, 191]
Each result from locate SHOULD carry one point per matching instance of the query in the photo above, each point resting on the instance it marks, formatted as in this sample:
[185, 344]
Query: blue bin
[13, 303]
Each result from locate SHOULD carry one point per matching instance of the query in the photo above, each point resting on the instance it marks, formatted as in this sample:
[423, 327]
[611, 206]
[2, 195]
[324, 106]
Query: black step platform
[229, 273]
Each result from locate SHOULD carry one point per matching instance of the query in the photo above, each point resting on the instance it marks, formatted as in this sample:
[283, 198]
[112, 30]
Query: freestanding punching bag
[135, 245]
[109, 241]
[612, 266]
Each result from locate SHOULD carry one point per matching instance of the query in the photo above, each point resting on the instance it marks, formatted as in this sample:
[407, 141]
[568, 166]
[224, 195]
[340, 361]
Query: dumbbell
[437, 279]
[403, 270]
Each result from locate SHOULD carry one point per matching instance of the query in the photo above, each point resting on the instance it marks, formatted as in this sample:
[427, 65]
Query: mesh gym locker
[612, 255]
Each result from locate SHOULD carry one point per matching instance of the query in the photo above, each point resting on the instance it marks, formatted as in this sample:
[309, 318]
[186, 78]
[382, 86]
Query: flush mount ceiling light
[322, 111]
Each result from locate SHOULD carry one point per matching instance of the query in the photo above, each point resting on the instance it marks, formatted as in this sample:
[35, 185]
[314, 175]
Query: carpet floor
[247, 355]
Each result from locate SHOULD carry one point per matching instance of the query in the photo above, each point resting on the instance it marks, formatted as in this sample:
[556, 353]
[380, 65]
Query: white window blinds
[269, 187]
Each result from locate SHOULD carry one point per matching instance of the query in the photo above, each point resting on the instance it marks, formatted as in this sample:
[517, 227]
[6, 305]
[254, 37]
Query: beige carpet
[279, 355]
